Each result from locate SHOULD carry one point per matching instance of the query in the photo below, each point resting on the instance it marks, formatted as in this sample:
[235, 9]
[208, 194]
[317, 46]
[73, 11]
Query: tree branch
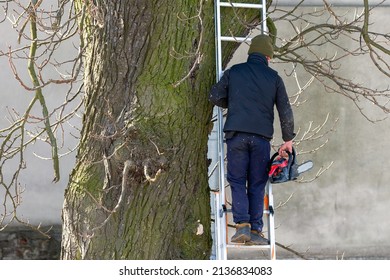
[38, 92]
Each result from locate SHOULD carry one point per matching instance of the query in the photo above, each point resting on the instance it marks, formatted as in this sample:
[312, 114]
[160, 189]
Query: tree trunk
[139, 189]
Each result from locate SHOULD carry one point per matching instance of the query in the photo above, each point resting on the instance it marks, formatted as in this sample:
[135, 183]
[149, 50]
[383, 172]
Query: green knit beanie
[262, 44]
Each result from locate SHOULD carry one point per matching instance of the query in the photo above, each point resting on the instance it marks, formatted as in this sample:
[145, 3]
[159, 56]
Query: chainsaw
[282, 169]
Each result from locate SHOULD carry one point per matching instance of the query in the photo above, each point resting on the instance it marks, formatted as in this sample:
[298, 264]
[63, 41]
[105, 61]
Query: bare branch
[48, 31]
[305, 48]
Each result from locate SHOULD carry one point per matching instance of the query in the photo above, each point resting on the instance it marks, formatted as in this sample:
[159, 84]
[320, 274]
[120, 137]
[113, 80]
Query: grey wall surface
[346, 207]
[41, 198]
[332, 2]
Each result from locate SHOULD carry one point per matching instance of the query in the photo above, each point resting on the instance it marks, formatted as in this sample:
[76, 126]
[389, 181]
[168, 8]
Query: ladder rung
[243, 246]
[235, 39]
[229, 210]
[241, 5]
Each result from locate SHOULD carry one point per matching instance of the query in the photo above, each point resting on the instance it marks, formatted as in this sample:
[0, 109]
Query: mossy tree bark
[139, 189]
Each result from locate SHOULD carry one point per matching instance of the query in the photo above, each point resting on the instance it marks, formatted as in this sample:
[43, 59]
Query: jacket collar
[257, 58]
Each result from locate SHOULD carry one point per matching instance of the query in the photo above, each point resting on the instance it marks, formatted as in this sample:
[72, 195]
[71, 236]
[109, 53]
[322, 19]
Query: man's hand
[287, 146]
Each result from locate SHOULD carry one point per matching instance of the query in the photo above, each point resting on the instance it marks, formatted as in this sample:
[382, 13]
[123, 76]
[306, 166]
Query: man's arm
[286, 118]
[219, 92]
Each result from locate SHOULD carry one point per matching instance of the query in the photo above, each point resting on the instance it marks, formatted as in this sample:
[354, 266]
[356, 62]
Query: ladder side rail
[218, 43]
[264, 17]
[221, 251]
[271, 209]
[271, 223]
[220, 220]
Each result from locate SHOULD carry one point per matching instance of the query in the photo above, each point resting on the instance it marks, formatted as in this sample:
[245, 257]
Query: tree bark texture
[139, 189]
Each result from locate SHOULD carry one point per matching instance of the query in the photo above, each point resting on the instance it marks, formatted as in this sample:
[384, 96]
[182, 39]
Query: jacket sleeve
[285, 112]
[219, 92]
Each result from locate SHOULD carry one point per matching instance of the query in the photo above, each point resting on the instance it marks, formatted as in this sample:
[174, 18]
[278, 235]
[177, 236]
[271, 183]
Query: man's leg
[237, 165]
[257, 180]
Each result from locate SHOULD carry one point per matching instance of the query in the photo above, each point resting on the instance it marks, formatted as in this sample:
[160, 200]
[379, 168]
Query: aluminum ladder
[217, 173]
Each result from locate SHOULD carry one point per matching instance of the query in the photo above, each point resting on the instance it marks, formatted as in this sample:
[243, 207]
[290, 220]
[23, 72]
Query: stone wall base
[24, 243]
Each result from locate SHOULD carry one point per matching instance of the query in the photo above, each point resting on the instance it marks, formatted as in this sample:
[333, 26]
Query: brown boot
[242, 234]
[257, 238]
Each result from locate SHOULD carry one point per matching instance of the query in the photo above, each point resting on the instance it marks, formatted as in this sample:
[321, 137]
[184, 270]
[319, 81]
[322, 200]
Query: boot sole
[251, 243]
[241, 239]
[259, 241]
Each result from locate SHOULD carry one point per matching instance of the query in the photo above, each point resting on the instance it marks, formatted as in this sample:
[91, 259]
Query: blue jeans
[247, 161]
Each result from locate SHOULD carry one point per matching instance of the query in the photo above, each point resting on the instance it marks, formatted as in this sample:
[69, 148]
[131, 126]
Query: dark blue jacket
[250, 91]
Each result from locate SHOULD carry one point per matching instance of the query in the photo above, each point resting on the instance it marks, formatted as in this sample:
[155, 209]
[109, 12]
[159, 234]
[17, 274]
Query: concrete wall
[22, 243]
[42, 199]
[346, 208]
[350, 3]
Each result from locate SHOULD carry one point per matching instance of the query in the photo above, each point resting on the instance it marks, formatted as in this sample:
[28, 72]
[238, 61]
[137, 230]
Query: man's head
[262, 44]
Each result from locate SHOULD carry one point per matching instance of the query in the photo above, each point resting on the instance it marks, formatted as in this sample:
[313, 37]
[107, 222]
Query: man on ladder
[250, 91]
